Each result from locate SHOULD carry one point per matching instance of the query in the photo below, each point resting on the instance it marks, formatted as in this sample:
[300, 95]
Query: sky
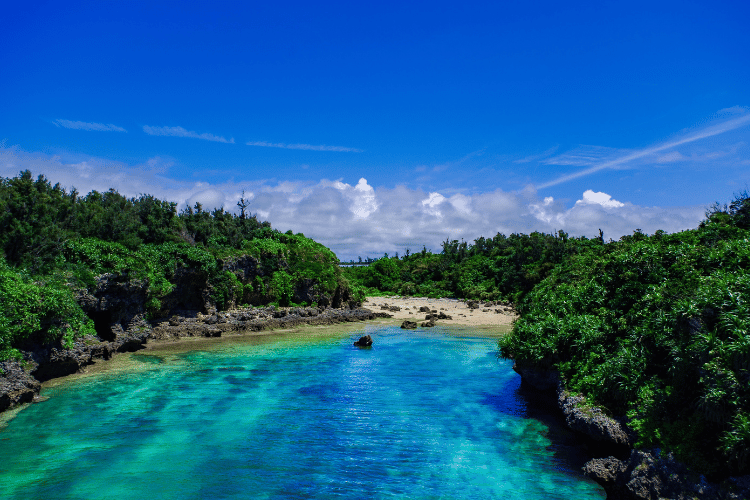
[377, 127]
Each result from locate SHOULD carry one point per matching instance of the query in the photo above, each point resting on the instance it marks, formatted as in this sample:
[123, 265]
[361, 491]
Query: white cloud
[431, 204]
[181, 132]
[99, 127]
[364, 200]
[361, 220]
[597, 198]
[461, 203]
[307, 147]
[209, 199]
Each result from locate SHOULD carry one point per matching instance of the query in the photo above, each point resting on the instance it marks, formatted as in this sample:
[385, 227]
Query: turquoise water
[418, 416]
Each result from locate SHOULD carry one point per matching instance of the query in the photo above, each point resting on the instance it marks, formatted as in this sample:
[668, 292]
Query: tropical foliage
[503, 267]
[53, 241]
[657, 329]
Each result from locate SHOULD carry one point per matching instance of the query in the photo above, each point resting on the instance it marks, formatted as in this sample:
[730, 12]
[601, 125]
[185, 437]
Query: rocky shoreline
[116, 306]
[20, 381]
[624, 472]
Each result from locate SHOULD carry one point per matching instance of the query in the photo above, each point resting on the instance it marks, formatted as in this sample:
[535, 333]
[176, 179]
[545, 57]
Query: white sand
[462, 315]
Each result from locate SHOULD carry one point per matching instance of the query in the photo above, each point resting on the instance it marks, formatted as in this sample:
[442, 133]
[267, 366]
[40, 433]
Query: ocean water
[419, 415]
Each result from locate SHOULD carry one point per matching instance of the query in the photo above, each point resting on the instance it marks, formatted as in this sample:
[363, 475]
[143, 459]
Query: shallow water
[418, 416]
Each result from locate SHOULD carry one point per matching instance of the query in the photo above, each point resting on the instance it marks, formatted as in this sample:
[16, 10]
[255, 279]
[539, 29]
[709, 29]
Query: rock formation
[624, 472]
[365, 341]
[113, 306]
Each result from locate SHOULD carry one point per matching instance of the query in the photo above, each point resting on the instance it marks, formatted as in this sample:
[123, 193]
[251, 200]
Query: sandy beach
[486, 315]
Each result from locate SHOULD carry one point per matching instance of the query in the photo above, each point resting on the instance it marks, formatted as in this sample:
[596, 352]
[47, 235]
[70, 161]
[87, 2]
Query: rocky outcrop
[440, 315]
[20, 381]
[592, 422]
[309, 291]
[343, 299]
[602, 433]
[626, 473]
[652, 475]
[190, 292]
[252, 319]
[17, 386]
[540, 378]
[53, 360]
[114, 302]
[365, 341]
[245, 267]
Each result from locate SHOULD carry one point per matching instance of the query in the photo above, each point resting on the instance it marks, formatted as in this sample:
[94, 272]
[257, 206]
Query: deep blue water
[418, 416]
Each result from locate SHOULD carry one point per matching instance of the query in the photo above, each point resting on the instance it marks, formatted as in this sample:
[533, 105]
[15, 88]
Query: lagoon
[419, 415]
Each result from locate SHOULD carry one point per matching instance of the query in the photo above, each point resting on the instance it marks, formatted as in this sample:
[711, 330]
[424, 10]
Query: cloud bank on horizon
[374, 129]
[362, 220]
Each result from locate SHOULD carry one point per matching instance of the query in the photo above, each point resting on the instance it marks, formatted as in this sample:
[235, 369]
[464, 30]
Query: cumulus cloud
[181, 132]
[307, 147]
[598, 198]
[209, 199]
[360, 219]
[76, 125]
[432, 203]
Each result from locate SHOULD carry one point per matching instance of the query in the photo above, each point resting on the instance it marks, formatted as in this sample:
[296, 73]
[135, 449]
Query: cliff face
[648, 474]
[17, 386]
[602, 433]
[624, 472]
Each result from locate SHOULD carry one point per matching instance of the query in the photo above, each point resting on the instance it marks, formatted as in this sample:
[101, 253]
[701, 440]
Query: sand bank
[499, 316]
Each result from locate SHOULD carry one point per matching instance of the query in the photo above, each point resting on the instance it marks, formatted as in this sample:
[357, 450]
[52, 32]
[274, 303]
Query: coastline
[49, 364]
[484, 315]
[624, 471]
[21, 381]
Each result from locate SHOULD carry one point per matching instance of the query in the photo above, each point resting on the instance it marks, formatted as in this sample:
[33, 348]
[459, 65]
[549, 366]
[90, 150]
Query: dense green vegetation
[656, 328]
[503, 267]
[53, 241]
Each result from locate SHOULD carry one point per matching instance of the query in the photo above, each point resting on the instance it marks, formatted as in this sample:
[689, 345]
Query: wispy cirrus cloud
[307, 147]
[78, 125]
[539, 156]
[181, 132]
[622, 160]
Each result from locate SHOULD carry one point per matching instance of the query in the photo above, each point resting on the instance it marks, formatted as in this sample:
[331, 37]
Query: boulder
[424, 309]
[428, 324]
[365, 341]
[408, 325]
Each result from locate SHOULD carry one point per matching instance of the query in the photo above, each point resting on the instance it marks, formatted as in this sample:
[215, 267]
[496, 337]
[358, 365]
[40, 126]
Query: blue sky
[464, 119]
